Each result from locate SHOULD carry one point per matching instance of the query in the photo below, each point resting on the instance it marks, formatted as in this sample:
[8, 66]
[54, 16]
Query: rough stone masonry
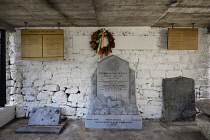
[66, 83]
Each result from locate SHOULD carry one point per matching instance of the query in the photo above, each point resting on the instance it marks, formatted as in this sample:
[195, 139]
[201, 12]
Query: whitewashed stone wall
[67, 83]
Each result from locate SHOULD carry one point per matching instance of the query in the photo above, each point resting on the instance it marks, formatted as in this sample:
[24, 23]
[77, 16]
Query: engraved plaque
[52, 45]
[31, 45]
[182, 38]
[113, 78]
[42, 44]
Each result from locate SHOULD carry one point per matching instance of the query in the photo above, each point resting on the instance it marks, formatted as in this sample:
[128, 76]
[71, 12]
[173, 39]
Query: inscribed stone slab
[45, 116]
[179, 99]
[113, 78]
[114, 121]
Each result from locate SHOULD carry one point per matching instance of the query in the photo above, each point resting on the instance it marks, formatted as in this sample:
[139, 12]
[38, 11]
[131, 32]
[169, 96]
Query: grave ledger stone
[113, 100]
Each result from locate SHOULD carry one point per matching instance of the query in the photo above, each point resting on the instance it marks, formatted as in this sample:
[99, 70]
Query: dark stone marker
[178, 99]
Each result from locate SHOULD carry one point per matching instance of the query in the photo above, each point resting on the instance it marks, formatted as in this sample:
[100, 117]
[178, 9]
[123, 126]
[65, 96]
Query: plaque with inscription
[42, 44]
[53, 45]
[183, 38]
[113, 78]
[31, 43]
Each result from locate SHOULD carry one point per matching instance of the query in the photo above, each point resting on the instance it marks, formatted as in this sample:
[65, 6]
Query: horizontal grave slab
[113, 121]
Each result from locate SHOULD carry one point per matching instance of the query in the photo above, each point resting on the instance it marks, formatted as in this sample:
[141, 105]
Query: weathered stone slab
[45, 116]
[179, 99]
[40, 129]
[203, 122]
[204, 106]
[113, 121]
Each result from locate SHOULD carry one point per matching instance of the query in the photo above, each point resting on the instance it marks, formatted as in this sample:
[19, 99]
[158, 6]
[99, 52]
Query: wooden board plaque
[42, 44]
[183, 38]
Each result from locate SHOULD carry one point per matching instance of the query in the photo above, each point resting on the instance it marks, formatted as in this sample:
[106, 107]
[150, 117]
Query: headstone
[45, 116]
[113, 100]
[178, 99]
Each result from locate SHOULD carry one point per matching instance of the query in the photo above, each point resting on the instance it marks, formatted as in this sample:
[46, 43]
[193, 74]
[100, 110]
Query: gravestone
[113, 100]
[178, 99]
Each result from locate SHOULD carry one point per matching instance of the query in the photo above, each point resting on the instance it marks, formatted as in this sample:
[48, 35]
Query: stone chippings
[26, 80]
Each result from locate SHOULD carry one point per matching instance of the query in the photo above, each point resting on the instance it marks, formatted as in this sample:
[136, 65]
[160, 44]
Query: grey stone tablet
[45, 116]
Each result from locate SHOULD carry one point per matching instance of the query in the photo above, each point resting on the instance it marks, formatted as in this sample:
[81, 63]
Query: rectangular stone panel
[45, 116]
[178, 99]
[113, 121]
[113, 78]
[121, 42]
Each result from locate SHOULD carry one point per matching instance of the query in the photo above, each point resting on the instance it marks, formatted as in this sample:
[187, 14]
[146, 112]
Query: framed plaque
[183, 38]
[42, 44]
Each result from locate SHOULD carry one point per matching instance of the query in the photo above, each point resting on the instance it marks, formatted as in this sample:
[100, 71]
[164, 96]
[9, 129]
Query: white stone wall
[67, 83]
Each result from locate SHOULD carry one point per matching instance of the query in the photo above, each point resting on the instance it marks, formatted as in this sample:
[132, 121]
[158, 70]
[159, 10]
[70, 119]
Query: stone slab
[40, 129]
[45, 116]
[203, 122]
[113, 121]
[204, 106]
[178, 99]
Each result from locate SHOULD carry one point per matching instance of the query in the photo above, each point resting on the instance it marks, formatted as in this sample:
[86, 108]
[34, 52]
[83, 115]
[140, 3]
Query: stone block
[8, 76]
[10, 83]
[29, 98]
[39, 83]
[20, 111]
[51, 87]
[203, 122]
[158, 73]
[151, 94]
[29, 91]
[16, 98]
[75, 98]
[16, 76]
[72, 90]
[59, 97]
[174, 73]
[172, 58]
[204, 106]
[45, 95]
[69, 111]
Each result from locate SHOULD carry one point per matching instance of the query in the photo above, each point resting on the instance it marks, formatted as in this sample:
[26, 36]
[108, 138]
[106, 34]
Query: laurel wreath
[97, 42]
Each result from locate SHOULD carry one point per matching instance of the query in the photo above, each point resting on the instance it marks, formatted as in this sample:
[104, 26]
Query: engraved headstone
[113, 100]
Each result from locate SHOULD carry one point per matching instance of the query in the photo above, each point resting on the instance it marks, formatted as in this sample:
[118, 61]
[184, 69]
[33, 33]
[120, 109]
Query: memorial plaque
[31, 45]
[53, 46]
[182, 38]
[42, 44]
[113, 78]
[113, 99]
